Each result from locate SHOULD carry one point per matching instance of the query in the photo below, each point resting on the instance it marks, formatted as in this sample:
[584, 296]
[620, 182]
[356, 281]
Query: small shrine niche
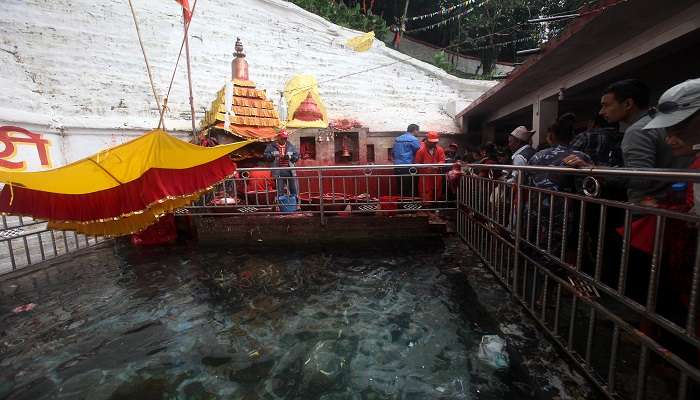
[307, 148]
[347, 147]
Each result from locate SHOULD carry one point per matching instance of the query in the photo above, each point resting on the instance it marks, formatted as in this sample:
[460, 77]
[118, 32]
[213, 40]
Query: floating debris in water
[24, 308]
[492, 351]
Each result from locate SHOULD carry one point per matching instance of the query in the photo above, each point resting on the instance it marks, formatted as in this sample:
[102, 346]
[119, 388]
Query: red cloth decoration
[642, 233]
[344, 124]
[186, 10]
[133, 196]
[161, 232]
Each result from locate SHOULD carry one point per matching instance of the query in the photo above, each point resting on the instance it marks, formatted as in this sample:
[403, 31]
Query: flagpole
[189, 71]
[402, 27]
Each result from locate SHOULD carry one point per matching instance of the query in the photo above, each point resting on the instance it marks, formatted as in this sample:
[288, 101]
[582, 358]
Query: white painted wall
[465, 64]
[74, 68]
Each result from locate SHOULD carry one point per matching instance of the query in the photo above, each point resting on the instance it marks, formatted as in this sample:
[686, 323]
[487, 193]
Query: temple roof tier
[252, 116]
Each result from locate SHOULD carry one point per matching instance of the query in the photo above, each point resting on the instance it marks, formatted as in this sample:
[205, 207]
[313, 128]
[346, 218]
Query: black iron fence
[615, 285]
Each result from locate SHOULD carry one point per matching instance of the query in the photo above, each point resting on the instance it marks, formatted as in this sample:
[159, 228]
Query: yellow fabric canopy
[121, 164]
[297, 89]
[361, 43]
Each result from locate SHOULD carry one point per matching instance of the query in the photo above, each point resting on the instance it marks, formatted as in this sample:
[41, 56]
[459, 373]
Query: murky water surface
[186, 323]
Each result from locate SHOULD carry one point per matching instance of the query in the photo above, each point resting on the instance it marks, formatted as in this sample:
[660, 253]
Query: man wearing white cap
[519, 143]
[678, 112]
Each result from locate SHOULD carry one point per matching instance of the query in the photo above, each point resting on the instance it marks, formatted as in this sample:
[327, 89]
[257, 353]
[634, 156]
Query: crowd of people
[627, 131]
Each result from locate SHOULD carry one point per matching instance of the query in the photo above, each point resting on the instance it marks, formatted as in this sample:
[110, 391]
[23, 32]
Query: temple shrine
[248, 114]
[241, 111]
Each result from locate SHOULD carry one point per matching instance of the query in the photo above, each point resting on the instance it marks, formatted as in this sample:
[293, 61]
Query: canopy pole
[189, 72]
[148, 66]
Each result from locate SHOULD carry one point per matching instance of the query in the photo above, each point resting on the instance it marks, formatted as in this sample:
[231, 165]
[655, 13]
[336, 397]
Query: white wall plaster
[76, 65]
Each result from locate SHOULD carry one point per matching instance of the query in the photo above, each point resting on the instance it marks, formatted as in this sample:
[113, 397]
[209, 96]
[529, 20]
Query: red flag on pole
[186, 9]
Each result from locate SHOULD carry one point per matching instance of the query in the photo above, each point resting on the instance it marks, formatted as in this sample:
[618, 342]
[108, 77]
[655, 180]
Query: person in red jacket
[678, 112]
[430, 184]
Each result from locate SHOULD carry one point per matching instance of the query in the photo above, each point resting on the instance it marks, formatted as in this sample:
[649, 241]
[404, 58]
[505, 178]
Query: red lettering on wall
[13, 135]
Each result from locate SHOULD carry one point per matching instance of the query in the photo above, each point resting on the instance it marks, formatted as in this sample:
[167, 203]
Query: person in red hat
[430, 186]
[283, 154]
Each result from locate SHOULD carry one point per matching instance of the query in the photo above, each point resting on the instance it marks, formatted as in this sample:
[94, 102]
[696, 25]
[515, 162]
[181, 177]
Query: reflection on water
[184, 323]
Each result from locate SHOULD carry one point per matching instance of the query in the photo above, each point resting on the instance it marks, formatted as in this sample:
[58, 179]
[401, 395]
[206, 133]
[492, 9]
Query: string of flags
[441, 23]
[441, 11]
[498, 45]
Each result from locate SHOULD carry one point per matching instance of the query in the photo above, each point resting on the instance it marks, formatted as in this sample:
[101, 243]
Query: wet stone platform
[396, 322]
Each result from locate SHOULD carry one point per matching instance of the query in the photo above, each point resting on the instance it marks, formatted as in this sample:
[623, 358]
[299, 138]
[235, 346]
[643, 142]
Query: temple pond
[192, 323]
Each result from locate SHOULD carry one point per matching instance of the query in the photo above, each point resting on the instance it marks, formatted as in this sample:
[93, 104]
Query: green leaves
[349, 17]
[440, 60]
[498, 21]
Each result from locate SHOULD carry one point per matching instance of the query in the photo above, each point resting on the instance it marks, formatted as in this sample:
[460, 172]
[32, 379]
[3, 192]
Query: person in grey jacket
[283, 154]
[627, 102]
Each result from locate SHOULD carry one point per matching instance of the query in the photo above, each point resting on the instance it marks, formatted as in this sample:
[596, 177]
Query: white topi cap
[522, 133]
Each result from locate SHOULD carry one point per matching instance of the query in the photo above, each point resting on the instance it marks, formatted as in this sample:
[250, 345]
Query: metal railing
[331, 190]
[25, 241]
[614, 285]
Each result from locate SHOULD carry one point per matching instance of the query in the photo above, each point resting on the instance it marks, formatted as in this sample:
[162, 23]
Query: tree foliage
[440, 60]
[347, 16]
[502, 21]
[487, 31]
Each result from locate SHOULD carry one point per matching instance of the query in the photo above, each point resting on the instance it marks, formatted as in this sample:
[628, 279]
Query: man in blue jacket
[404, 152]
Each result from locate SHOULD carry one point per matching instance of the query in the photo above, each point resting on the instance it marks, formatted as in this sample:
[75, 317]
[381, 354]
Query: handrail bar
[683, 174]
[602, 201]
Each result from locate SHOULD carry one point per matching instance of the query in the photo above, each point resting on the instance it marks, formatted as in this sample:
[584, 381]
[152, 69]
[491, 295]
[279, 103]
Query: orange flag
[186, 9]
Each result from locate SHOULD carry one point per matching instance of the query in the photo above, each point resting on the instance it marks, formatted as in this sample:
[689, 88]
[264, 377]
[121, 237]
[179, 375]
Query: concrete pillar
[362, 145]
[544, 113]
[488, 133]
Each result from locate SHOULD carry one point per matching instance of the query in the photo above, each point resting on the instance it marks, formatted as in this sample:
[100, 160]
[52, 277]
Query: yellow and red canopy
[119, 190]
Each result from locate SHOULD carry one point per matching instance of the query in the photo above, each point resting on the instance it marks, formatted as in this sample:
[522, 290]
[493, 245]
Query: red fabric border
[154, 185]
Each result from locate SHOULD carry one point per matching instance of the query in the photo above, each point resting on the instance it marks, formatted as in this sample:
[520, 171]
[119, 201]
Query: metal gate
[573, 262]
